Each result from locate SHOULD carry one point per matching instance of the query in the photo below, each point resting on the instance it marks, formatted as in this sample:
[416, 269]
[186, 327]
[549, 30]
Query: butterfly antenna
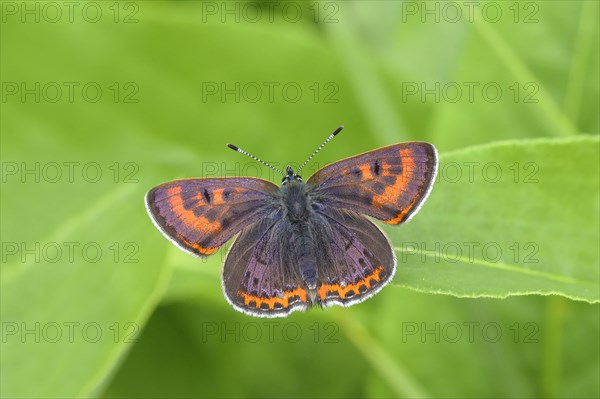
[327, 140]
[237, 149]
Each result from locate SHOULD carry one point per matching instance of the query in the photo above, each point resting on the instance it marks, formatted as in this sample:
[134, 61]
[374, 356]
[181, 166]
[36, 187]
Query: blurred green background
[497, 288]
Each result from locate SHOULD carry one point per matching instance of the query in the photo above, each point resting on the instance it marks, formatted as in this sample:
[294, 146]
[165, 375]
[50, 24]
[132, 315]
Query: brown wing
[261, 276]
[357, 262]
[389, 183]
[200, 215]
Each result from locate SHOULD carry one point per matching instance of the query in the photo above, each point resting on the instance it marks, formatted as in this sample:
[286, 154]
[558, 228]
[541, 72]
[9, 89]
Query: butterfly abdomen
[297, 207]
[303, 246]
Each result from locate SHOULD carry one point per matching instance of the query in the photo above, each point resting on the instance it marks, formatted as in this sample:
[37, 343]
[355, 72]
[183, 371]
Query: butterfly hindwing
[261, 275]
[357, 259]
[389, 183]
[200, 215]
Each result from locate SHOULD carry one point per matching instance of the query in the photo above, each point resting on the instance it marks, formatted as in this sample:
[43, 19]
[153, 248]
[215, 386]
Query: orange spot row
[284, 300]
[402, 213]
[343, 291]
[408, 163]
[190, 220]
[392, 193]
[202, 250]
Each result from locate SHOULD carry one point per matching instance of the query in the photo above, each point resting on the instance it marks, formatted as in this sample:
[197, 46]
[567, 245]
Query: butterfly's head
[290, 176]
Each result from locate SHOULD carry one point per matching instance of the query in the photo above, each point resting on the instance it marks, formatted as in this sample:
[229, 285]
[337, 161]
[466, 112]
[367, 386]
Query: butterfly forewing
[200, 215]
[389, 183]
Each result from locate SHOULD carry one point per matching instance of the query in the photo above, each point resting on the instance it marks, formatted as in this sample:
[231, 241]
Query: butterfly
[300, 244]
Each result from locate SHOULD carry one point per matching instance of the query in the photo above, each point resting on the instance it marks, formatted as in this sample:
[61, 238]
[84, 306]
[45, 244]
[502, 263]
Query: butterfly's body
[303, 243]
[296, 205]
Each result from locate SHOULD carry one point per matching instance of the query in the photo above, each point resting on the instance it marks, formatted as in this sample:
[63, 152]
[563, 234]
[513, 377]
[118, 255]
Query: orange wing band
[343, 291]
[283, 300]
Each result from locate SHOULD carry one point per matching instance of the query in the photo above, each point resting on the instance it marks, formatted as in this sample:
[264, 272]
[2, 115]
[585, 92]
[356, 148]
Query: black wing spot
[207, 196]
[357, 173]
[388, 180]
[211, 214]
[379, 187]
[348, 243]
[190, 203]
[225, 222]
[376, 168]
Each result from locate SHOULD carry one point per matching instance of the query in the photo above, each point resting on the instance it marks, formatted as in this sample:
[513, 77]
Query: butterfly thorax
[296, 201]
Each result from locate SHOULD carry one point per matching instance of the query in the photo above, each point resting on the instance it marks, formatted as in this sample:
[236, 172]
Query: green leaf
[512, 218]
[474, 346]
[357, 55]
[78, 299]
[261, 357]
[389, 346]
